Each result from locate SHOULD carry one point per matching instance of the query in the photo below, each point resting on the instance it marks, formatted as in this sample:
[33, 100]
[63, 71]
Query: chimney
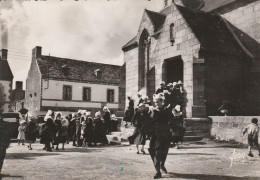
[37, 52]
[4, 35]
[4, 53]
[19, 85]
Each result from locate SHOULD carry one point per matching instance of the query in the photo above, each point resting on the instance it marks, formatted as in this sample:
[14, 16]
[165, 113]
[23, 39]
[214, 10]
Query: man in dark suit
[4, 140]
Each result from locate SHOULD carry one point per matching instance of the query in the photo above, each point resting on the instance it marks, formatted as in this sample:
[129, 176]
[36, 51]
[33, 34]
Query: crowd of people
[161, 123]
[80, 128]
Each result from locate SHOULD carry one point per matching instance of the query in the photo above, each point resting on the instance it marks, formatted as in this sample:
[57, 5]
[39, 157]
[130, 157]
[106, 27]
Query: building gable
[5, 71]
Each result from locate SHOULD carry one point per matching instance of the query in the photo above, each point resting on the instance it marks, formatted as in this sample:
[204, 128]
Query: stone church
[211, 46]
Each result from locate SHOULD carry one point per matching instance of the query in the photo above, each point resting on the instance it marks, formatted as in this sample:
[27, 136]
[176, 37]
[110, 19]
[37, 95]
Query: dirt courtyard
[203, 160]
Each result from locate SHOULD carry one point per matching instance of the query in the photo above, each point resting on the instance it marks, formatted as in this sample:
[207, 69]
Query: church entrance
[172, 70]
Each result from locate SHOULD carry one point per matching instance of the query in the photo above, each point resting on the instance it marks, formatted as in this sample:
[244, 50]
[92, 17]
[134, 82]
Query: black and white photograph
[129, 89]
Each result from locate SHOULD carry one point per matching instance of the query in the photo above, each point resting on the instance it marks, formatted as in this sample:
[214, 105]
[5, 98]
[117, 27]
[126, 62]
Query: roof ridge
[78, 60]
[155, 12]
[236, 37]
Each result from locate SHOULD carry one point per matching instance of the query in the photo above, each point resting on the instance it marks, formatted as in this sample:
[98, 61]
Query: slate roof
[212, 31]
[131, 43]
[194, 4]
[156, 18]
[79, 71]
[211, 5]
[5, 71]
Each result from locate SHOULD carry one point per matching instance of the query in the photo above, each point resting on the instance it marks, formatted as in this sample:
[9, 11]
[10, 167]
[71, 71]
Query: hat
[22, 122]
[177, 108]
[98, 114]
[170, 84]
[166, 92]
[64, 122]
[162, 83]
[84, 123]
[140, 105]
[174, 84]
[113, 116]
[105, 108]
[157, 97]
[179, 82]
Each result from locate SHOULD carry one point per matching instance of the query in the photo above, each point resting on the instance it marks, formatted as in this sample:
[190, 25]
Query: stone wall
[33, 87]
[246, 18]
[230, 127]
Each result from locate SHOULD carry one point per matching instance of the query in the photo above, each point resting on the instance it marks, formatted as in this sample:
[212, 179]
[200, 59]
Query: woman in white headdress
[107, 119]
[178, 129]
[99, 130]
[160, 135]
[48, 115]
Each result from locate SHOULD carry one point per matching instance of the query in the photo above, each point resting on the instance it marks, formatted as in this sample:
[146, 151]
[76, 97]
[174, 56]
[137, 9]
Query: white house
[62, 84]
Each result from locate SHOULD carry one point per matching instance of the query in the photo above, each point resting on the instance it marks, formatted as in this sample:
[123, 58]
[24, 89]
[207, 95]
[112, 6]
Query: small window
[172, 33]
[98, 73]
[31, 95]
[110, 95]
[86, 94]
[67, 92]
[35, 94]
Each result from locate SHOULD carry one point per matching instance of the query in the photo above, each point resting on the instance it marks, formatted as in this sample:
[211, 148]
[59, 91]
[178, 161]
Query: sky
[90, 30]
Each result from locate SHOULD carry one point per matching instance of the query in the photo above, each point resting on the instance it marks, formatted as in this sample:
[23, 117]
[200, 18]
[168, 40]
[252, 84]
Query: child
[252, 131]
[21, 135]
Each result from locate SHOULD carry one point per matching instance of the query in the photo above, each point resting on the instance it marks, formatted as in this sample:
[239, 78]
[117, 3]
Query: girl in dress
[21, 130]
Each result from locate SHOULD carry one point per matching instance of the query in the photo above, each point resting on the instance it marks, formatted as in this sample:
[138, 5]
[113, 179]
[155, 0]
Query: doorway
[172, 70]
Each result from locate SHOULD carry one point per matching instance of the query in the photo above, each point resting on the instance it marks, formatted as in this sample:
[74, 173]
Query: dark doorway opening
[173, 70]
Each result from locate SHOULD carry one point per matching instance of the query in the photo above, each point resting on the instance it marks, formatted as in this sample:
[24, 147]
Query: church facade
[212, 48]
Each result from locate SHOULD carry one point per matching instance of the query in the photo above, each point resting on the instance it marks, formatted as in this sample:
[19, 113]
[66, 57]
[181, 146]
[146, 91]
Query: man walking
[4, 140]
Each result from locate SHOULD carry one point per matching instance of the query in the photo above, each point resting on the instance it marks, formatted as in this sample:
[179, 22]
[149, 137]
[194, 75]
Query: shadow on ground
[191, 154]
[27, 156]
[207, 177]
[3, 176]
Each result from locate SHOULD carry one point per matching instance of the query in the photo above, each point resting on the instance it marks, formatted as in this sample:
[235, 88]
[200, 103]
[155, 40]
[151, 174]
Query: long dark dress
[99, 131]
[107, 121]
[177, 128]
[89, 132]
[63, 134]
[129, 112]
[160, 137]
[141, 122]
[31, 131]
[72, 129]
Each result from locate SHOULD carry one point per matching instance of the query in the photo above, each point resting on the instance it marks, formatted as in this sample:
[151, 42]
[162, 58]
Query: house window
[67, 92]
[172, 33]
[110, 95]
[86, 94]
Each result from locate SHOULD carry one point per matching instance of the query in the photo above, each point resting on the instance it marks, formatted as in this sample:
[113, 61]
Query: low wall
[231, 127]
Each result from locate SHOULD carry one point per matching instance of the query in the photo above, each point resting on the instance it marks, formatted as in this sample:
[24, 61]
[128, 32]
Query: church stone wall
[247, 19]
[131, 60]
[186, 45]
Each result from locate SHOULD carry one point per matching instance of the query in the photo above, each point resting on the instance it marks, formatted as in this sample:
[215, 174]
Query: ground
[203, 160]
